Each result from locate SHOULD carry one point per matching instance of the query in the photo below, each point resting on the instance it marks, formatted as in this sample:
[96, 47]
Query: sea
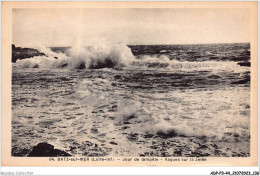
[134, 101]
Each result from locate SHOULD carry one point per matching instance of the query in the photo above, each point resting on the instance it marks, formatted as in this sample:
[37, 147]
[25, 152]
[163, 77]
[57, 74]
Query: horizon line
[152, 44]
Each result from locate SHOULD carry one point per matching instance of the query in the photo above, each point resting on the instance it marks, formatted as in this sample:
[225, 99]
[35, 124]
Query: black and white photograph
[131, 82]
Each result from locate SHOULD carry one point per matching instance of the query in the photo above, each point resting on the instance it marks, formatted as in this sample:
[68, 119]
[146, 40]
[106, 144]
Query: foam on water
[144, 101]
[210, 113]
[93, 57]
[119, 56]
[163, 62]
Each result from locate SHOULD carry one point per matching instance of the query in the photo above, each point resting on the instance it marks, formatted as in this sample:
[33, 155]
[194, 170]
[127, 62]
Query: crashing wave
[92, 57]
[116, 56]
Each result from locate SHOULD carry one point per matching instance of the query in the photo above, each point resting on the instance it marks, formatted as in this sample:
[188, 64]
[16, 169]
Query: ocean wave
[118, 57]
[169, 115]
[92, 57]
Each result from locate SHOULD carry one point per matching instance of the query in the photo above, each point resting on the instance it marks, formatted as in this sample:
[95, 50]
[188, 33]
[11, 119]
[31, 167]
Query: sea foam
[118, 56]
[92, 57]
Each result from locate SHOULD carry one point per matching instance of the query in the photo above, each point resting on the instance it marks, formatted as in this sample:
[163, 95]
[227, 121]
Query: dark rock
[23, 53]
[46, 150]
[245, 64]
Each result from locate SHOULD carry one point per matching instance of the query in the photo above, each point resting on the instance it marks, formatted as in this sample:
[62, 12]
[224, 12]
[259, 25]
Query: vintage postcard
[129, 84]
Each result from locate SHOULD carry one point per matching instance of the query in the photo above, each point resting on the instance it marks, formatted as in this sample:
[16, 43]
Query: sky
[68, 27]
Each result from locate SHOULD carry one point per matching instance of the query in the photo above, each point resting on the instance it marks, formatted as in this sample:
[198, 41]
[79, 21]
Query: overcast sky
[67, 27]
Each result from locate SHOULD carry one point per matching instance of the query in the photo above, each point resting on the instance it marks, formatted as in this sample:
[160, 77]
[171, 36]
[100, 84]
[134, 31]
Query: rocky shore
[22, 53]
[46, 150]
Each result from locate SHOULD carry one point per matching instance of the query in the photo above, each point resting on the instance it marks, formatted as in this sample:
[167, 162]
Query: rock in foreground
[46, 150]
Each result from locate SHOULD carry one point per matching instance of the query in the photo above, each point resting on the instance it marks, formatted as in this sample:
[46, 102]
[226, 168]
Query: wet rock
[23, 53]
[245, 64]
[46, 150]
